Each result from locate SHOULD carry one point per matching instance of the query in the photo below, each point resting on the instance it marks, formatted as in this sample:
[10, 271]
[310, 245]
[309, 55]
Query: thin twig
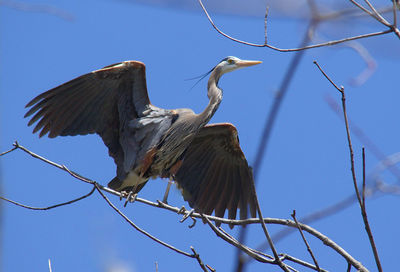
[364, 139]
[362, 207]
[211, 269]
[269, 125]
[330, 43]
[236, 243]
[370, 13]
[62, 167]
[265, 25]
[363, 177]
[49, 207]
[197, 257]
[98, 188]
[301, 262]
[381, 19]
[394, 26]
[8, 151]
[305, 241]
[264, 227]
[328, 242]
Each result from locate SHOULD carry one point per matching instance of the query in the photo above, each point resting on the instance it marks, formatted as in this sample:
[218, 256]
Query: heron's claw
[131, 197]
[187, 215]
[182, 210]
[122, 194]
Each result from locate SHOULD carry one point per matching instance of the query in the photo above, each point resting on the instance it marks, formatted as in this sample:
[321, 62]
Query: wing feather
[209, 186]
[195, 173]
[226, 192]
[235, 195]
[102, 102]
[215, 173]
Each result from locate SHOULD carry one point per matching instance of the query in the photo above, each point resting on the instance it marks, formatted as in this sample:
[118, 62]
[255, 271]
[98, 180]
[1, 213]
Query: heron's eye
[230, 61]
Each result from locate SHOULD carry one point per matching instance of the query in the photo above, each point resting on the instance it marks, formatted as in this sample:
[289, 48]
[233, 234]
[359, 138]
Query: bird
[145, 141]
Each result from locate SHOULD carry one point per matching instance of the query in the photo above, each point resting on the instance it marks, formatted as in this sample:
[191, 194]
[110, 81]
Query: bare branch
[265, 25]
[197, 257]
[377, 14]
[362, 206]
[365, 140]
[99, 189]
[49, 207]
[251, 252]
[62, 167]
[305, 241]
[264, 227]
[330, 43]
[394, 26]
[363, 177]
[301, 262]
[236, 243]
[8, 151]
[270, 122]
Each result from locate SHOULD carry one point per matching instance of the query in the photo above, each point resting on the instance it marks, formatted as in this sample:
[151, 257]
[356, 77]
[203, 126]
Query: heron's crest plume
[200, 77]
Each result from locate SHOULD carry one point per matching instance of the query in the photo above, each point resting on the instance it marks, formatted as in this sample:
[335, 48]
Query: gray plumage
[146, 141]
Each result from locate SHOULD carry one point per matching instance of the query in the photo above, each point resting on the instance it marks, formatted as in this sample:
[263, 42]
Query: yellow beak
[246, 63]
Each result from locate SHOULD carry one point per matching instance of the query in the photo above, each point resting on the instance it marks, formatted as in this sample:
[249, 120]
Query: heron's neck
[215, 95]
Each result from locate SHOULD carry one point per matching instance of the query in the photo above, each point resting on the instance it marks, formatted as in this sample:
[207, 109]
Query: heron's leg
[167, 192]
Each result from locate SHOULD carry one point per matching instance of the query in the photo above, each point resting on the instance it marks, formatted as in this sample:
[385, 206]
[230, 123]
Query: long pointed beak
[246, 63]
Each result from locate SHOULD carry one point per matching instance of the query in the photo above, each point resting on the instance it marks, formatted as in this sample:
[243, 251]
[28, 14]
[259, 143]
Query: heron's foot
[131, 197]
[123, 194]
[186, 215]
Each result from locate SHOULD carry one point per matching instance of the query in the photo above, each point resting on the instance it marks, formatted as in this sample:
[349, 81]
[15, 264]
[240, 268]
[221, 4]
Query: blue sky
[306, 166]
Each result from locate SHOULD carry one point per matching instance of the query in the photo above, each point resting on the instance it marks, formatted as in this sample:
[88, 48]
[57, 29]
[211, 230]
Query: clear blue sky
[306, 167]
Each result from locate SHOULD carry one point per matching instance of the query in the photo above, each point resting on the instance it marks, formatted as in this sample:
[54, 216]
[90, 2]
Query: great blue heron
[146, 141]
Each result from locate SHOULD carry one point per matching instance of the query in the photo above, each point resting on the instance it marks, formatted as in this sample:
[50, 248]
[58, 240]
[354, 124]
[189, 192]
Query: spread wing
[214, 174]
[102, 102]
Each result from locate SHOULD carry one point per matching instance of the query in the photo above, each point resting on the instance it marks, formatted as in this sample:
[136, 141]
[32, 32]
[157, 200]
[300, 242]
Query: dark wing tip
[32, 102]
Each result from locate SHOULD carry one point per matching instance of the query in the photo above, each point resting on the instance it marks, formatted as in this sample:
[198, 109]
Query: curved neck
[214, 94]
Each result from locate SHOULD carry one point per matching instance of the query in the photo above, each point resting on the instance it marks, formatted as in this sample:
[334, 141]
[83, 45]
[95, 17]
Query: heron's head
[226, 65]
[230, 64]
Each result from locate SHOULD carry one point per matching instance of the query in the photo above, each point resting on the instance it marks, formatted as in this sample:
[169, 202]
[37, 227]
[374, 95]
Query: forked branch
[391, 29]
[262, 257]
[361, 201]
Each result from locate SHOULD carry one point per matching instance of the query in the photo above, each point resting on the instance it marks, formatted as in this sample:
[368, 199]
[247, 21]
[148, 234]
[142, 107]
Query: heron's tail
[118, 185]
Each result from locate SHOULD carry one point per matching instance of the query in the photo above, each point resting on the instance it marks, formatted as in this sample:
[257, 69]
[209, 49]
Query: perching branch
[254, 253]
[99, 189]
